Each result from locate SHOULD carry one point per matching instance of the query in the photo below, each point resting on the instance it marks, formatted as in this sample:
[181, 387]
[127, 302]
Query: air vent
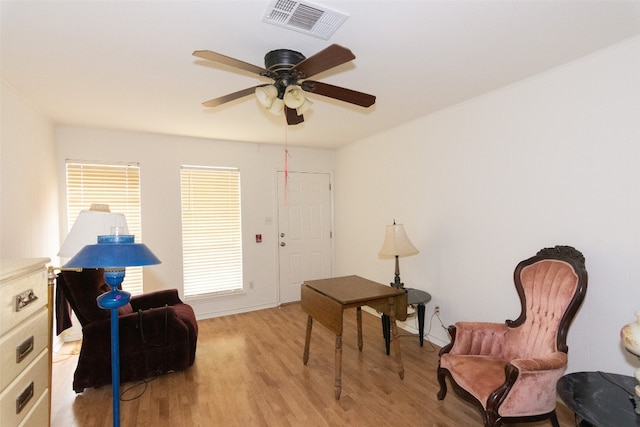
[304, 17]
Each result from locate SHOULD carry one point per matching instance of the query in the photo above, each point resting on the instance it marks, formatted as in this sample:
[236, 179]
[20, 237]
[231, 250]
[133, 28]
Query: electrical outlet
[437, 309]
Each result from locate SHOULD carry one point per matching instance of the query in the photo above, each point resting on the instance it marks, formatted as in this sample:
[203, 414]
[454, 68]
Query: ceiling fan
[290, 70]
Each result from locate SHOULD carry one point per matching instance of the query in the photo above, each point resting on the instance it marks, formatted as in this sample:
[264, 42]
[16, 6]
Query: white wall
[160, 158]
[487, 183]
[28, 188]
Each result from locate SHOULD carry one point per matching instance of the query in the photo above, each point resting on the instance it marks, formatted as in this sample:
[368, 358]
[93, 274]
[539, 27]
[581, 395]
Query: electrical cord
[437, 314]
[74, 352]
[428, 332]
[166, 327]
[145, 382]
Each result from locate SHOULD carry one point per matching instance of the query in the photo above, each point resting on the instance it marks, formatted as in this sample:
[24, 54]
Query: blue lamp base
[113, 300]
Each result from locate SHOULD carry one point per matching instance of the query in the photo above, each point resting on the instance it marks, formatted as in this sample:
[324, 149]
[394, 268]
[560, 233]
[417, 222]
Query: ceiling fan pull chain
[286, 164]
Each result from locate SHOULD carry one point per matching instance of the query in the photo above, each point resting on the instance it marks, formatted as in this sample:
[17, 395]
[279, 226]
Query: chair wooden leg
[443, 385]
[491, 421]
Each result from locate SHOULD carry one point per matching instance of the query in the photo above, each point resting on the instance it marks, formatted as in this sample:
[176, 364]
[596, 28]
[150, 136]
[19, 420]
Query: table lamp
[630, 336]
[113, 253]
[397, 244]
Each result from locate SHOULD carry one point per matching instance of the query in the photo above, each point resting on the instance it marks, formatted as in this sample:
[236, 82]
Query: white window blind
[116, 185]
[211, 230]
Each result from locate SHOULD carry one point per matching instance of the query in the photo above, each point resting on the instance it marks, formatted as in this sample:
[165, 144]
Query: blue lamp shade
[113, 251]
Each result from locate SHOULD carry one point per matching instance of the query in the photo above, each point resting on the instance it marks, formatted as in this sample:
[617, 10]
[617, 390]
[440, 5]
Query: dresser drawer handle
[24, 398]
[24, 349]
[24, 299]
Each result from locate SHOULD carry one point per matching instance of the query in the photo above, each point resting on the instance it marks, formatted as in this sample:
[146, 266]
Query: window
[117, 185]
[211, 230]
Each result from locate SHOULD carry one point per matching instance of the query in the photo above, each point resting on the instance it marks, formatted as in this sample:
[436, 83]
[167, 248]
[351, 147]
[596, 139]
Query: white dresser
[25, 365]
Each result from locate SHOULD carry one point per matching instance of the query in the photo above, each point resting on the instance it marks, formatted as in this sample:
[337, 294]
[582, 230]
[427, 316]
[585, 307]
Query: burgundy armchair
[510, 370]
[158, 332]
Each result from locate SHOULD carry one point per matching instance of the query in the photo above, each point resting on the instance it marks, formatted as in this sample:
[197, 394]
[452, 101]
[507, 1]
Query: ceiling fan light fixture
[304, 107]
[266, 95]
[294, 97]
[276, 107]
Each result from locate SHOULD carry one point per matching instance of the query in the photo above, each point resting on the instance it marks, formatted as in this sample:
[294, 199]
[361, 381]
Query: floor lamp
[114, 253]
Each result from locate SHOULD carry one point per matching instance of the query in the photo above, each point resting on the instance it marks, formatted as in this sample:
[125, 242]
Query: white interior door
[304, 231]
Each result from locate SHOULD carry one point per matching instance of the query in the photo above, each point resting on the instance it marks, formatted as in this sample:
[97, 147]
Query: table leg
[307, 340]
[421, 323]
[386, 333]
[338, 380]
[395, 341]
[359, 317]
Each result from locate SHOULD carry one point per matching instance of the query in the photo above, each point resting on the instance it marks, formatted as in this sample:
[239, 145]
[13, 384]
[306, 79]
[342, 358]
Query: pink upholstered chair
[510, 370]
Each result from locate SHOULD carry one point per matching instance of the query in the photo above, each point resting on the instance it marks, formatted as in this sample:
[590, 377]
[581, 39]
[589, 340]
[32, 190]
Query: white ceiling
[129, 65]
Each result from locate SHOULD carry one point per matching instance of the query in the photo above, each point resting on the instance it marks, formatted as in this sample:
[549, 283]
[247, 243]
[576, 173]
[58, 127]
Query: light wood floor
[249, 371]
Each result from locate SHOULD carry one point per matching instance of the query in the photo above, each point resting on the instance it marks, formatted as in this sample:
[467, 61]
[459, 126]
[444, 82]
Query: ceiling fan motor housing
[280, 62]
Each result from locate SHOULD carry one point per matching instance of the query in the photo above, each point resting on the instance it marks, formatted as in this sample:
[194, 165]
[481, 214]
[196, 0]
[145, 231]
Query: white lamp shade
[277, 107]
[396, 243]
[294, 97]
[266, 95]
[88, 226]
[304, 107]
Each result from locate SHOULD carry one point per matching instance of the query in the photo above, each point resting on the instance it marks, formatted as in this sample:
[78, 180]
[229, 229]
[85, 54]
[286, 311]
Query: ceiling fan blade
[232, 62]
[231, 97]
[340, 93]
[327, 58]
[292, 116]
